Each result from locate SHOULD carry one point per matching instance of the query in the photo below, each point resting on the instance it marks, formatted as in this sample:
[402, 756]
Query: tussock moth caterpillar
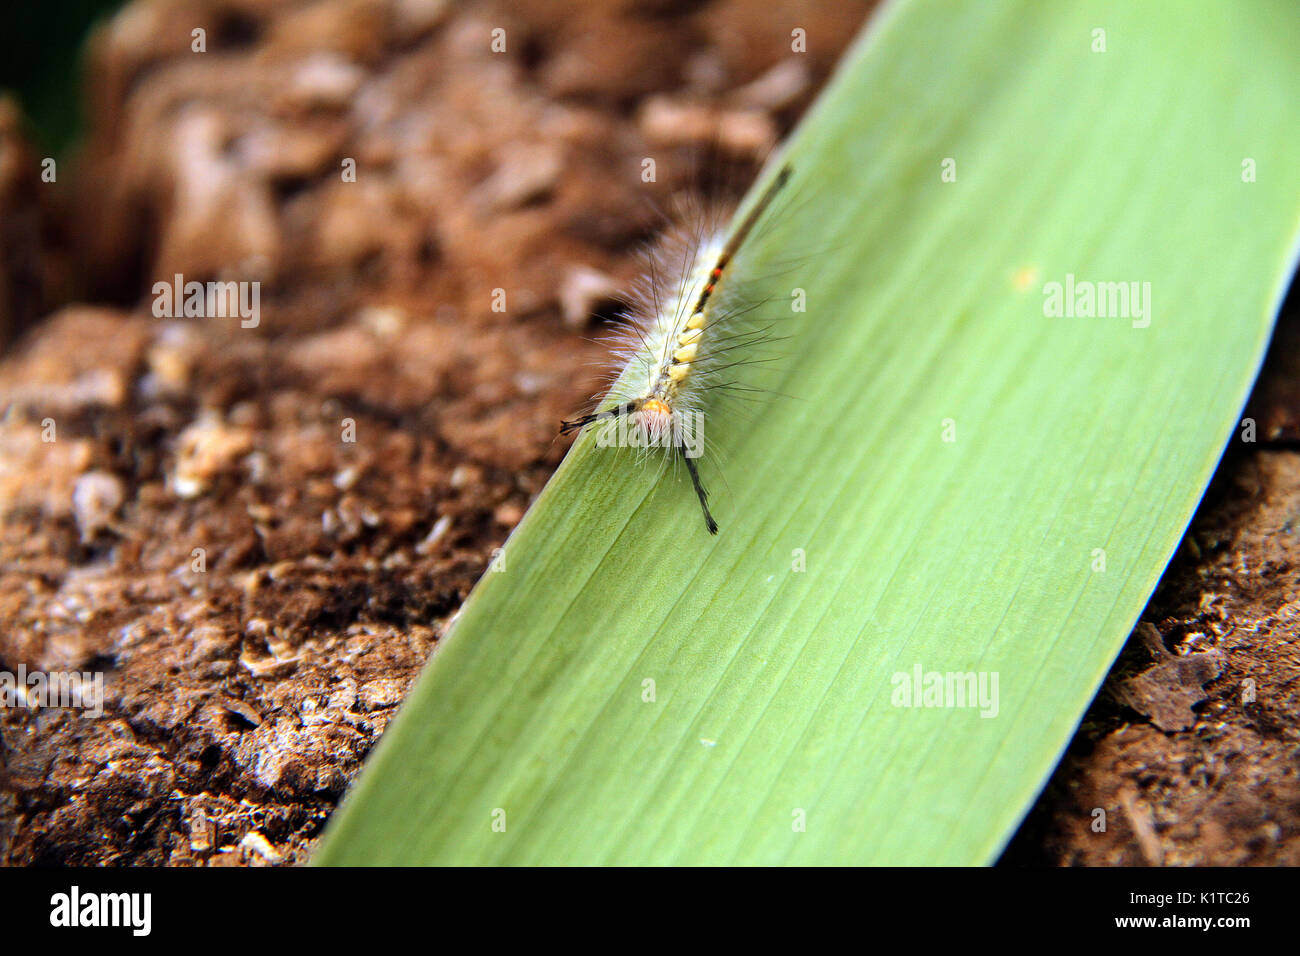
[690, 331]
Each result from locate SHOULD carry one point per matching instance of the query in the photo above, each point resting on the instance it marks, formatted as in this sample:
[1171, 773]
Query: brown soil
[261, 591]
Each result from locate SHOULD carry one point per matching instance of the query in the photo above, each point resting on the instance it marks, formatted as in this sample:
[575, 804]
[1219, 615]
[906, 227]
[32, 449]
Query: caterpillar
[688, 335]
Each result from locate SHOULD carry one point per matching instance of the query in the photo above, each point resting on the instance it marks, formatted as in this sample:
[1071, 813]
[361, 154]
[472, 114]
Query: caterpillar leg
[699, 490]
[585, 420]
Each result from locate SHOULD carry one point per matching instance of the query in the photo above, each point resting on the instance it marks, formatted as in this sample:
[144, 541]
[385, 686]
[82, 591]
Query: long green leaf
[972, 485]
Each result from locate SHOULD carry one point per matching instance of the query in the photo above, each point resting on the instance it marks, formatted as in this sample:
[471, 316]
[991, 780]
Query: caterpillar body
[688, 338]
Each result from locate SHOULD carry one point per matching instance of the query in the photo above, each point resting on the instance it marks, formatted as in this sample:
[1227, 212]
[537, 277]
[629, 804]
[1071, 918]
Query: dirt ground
[259, 533]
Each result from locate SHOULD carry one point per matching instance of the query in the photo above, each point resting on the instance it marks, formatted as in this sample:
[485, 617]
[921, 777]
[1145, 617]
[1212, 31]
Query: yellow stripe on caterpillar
[673, 372]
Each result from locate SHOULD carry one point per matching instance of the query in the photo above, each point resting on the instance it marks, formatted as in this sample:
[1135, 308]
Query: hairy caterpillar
[690, 333]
